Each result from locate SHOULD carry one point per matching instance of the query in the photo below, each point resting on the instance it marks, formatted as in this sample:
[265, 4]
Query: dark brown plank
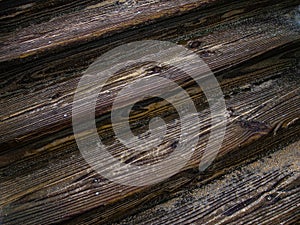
[252, 48]
[263, 192]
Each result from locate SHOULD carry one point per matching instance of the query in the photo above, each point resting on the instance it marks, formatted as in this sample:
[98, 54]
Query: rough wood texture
[253, 49]
[263, 192]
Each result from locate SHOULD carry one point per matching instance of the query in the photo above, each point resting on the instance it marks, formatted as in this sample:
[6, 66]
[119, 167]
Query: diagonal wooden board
[44, 179]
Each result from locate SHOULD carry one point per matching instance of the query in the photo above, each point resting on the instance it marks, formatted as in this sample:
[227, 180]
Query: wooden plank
[253, 50]
[20, 53]
[59, 95]
[262, 192]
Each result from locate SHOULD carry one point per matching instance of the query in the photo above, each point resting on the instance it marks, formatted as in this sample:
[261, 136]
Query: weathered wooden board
[263, 192]
[253, 49]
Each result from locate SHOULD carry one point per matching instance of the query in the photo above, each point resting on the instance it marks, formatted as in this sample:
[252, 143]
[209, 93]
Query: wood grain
[262, 192]
[253, 49]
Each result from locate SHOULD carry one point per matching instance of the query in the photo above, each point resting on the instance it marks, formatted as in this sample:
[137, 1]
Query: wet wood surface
[252, 48]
